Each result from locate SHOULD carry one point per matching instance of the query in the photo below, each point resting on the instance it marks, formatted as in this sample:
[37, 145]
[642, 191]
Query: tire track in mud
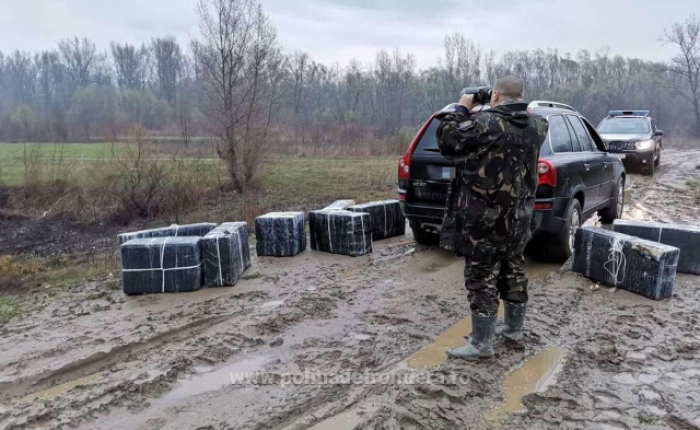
[102, 360]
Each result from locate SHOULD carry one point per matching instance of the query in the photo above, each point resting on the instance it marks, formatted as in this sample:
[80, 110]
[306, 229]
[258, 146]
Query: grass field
[287, 180]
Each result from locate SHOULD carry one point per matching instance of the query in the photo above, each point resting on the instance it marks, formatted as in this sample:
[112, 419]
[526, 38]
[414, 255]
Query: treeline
[76, 92]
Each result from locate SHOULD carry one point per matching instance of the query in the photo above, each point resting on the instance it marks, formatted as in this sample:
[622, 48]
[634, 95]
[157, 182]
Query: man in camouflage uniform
[490, 206]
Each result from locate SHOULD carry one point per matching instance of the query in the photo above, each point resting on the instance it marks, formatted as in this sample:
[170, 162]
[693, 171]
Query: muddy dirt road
[340, 343]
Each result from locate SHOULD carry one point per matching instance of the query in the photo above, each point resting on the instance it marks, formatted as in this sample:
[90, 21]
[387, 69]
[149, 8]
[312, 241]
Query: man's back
[496, 154]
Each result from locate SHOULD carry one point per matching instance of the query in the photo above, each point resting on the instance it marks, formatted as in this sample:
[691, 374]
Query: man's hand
[467, 100]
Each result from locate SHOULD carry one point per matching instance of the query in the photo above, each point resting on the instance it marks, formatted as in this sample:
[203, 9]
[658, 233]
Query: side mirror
[659, 133]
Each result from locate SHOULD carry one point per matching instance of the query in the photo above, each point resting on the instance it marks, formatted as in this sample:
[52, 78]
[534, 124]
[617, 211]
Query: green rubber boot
[513, 322]
[480, 343]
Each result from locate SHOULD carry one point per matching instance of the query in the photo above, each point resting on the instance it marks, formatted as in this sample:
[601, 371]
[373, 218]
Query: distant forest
[218, 88]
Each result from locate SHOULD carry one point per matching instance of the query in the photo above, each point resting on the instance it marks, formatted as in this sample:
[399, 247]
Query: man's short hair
[510, 87]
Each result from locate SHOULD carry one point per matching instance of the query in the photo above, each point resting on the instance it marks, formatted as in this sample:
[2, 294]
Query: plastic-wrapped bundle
[626, 262]
[280, 234]
[173, 231]
[161, 265]
[684, 237]
[339, 205]
[225, 254]
[341, 232]
[387, 217]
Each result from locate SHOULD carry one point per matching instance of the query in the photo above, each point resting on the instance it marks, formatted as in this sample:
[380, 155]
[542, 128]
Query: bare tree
[131, 65]
[168, 63]
[80, 57]
[686, 65]
[241, 67]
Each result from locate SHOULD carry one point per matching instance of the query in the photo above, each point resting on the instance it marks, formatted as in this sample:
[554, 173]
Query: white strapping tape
[218, 255]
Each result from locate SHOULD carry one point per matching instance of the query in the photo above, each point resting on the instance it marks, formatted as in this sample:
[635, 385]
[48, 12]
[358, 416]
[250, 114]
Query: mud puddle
[434, 354]
[436, 261]
[61, 389]
[540, 271]
[535, 375]
[210, 379]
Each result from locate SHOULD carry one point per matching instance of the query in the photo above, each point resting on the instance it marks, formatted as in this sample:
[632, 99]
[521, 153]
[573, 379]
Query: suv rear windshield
[429, 140]
[624, 126]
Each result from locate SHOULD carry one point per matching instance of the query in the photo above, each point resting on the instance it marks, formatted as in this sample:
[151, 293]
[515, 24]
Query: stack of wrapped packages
[163, 261]
[684, 237]
[341, 232]
[225, 254]
[386, 216]
[161, 265]
[630, 263]
[280, 234]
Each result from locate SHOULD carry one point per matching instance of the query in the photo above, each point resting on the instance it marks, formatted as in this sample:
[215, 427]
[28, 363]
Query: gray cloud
[338, 30]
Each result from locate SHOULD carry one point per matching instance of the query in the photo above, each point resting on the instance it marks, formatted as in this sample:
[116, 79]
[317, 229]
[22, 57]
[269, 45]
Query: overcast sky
[338, 30]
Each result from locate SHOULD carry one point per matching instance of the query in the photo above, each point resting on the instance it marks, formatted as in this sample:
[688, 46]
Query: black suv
[632, 135]
[577, 178]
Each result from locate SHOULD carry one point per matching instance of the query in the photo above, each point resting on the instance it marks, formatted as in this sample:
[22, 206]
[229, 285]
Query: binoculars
[482, 95]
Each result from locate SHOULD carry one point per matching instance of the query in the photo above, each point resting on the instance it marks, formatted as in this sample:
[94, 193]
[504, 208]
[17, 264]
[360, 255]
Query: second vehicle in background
[632, 136]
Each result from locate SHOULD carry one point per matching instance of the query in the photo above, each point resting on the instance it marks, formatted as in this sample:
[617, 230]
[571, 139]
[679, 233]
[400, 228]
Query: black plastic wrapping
[684, 237]
[161, 265]
[225, 254]
[387, 218]
[650, 268]
[339, 205]
[280, 234]
[341, 232]
[173, 231]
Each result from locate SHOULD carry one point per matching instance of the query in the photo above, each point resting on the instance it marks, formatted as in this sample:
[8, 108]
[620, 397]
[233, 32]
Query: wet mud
[592, 358]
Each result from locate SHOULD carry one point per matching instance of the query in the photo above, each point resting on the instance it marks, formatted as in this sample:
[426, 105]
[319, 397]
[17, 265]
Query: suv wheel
[617, 205]
[657, 162]
[562, 245]
[423, 237]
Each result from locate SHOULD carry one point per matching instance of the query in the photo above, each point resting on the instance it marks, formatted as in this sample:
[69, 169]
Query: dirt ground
[94, 358]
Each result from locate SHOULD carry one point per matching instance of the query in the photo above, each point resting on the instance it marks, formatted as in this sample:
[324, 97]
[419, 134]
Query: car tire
[657, 162]
[423, 237]
[617, 205]
[561, 246]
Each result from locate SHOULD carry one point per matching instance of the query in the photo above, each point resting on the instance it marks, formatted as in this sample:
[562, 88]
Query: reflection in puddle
[62, 389]
[212, 379]
[345, 421]
[434, 354]
[535, 375]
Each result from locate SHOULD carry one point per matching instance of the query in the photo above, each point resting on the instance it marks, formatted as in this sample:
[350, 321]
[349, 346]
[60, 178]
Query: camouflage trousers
[489, 277]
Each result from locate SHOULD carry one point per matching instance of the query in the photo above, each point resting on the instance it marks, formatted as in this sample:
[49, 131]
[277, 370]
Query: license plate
[620, 156]
[448, 173]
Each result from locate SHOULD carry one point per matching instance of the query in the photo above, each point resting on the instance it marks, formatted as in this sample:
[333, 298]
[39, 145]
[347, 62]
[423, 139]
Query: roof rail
[628, 113]
[548, 104]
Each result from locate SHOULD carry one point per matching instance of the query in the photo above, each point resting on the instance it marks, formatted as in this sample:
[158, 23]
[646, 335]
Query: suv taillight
[405, 161]
[405, 167]
[547, 172]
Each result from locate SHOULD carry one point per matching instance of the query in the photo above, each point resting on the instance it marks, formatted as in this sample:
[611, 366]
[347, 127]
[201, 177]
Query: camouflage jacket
[491, 199]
